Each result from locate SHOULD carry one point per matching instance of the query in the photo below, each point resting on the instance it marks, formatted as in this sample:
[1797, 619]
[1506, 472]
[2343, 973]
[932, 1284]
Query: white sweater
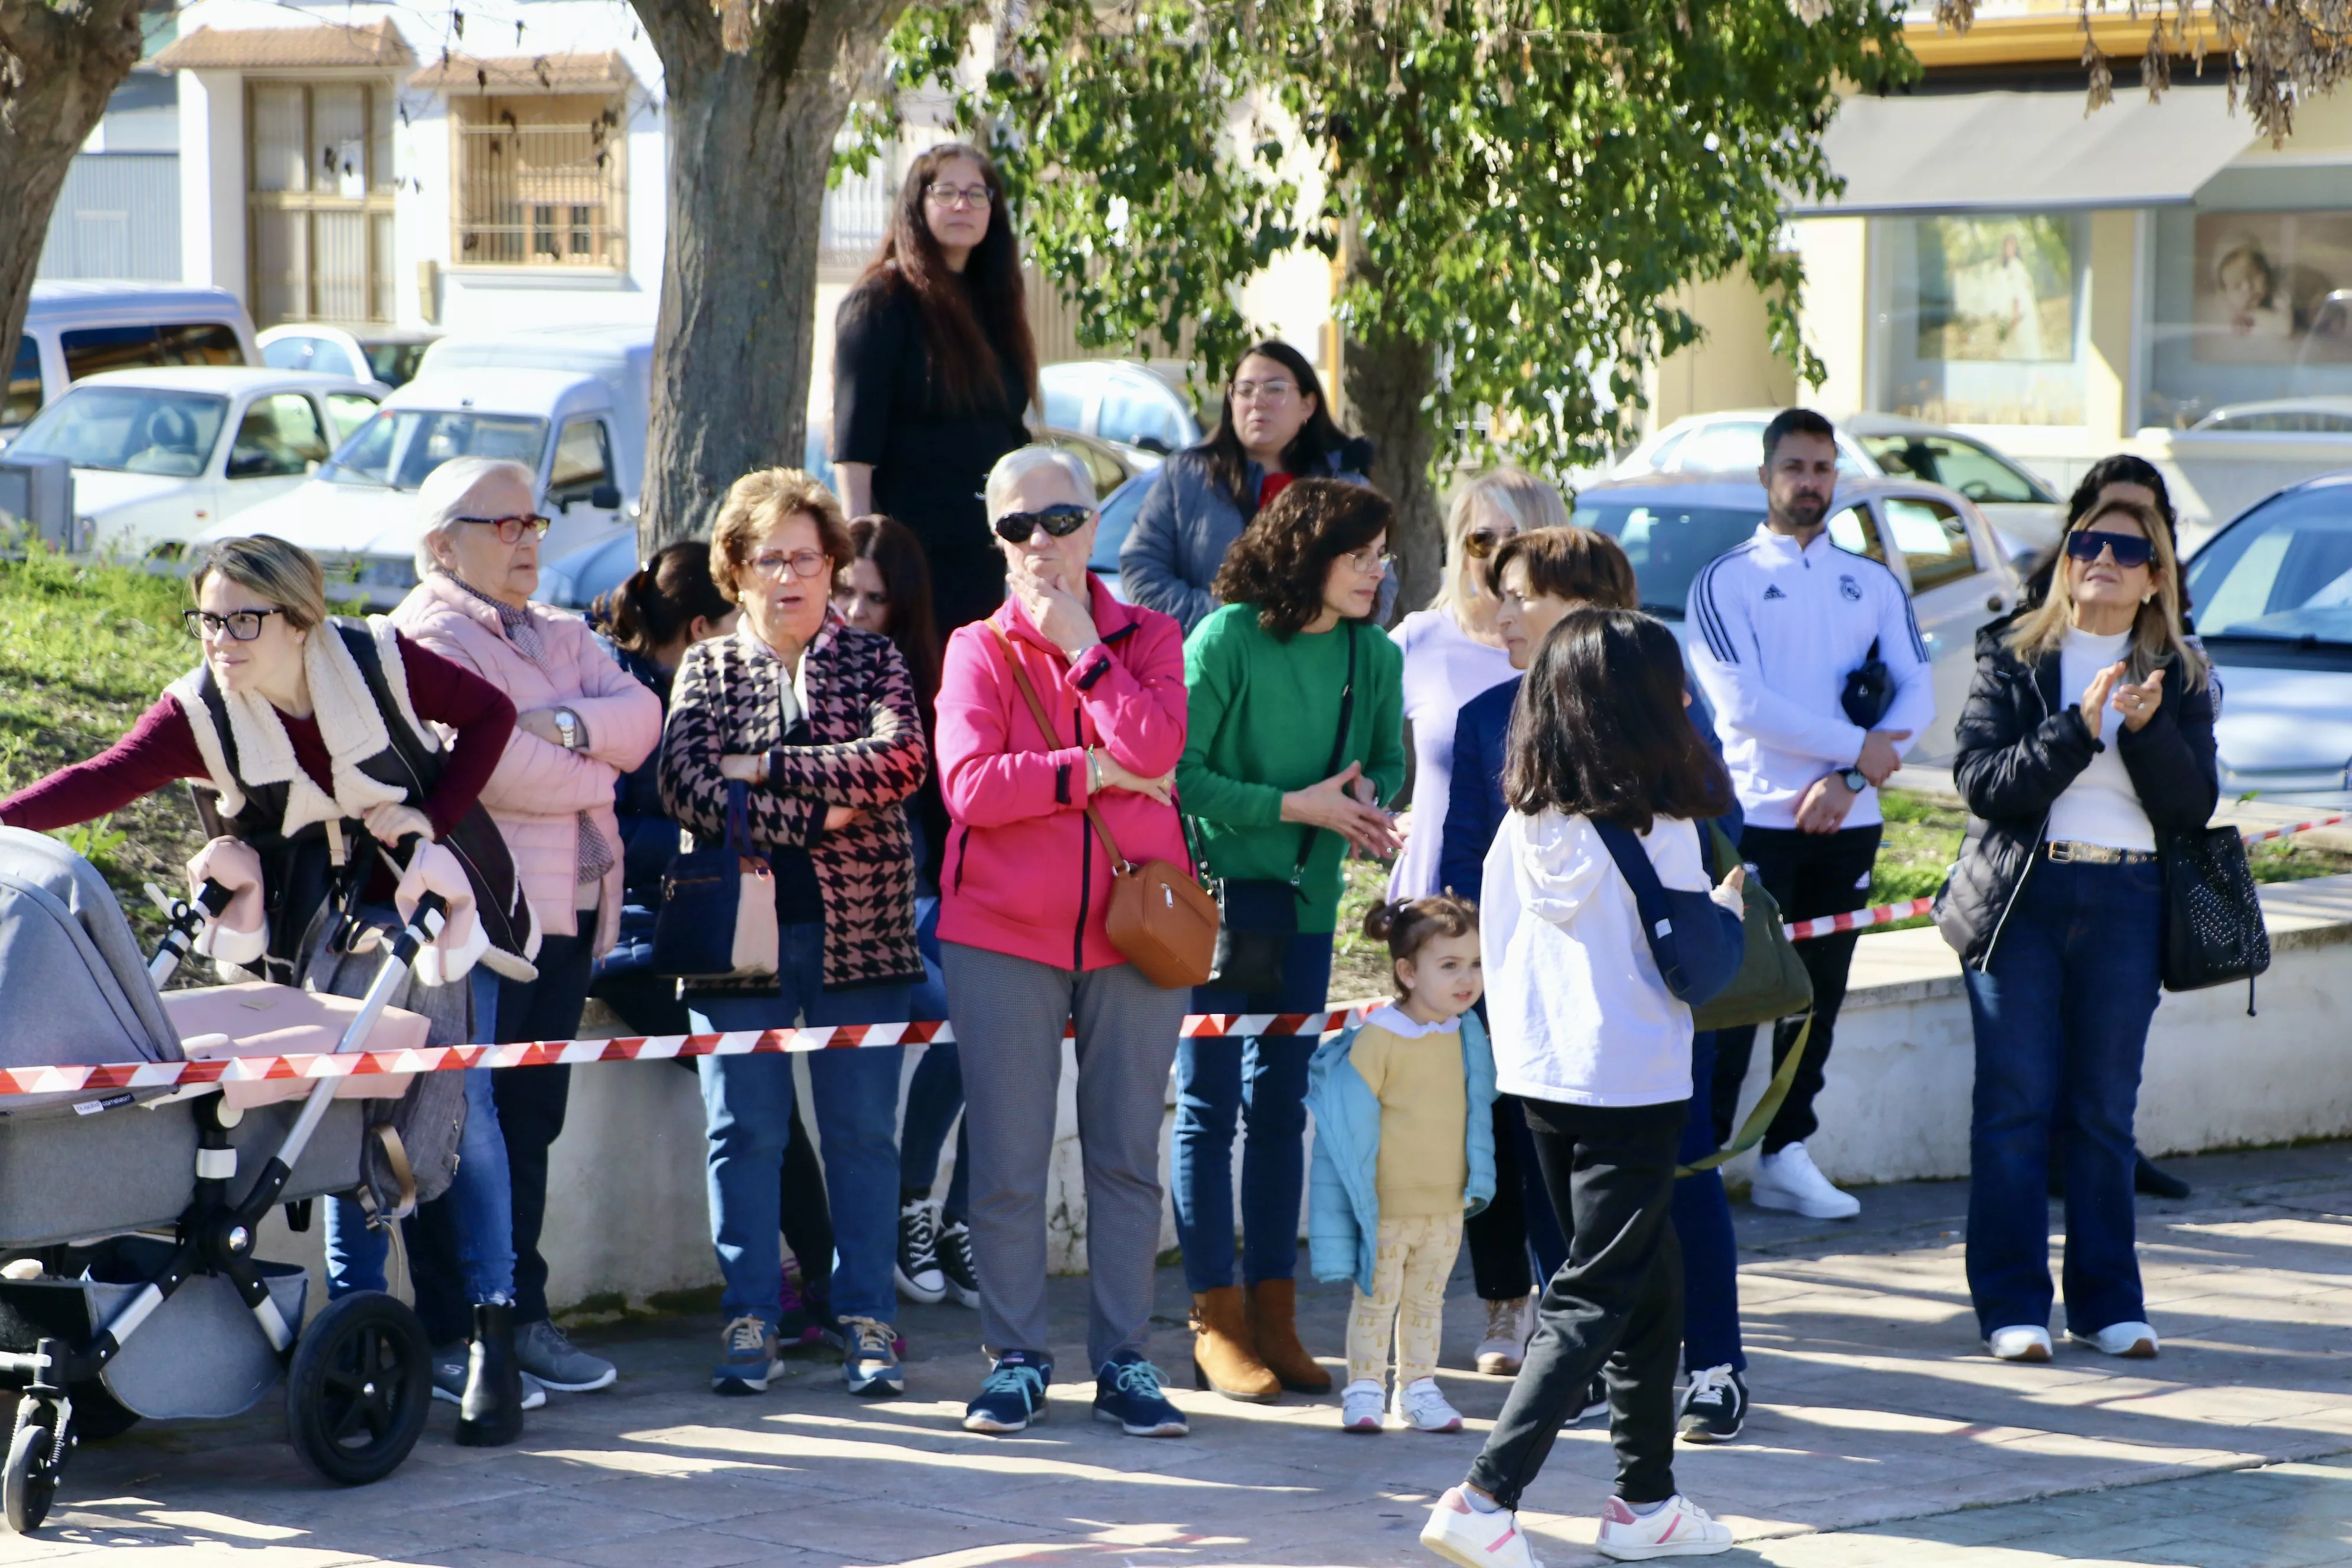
[2101, 806]
[1576, 1008]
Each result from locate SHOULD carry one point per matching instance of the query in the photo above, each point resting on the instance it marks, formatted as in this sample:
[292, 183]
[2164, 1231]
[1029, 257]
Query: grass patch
[1360, 966]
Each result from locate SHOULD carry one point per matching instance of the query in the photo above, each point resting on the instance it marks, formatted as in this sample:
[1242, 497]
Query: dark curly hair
[1599, 728]
[1408, 925]
[1284, 557]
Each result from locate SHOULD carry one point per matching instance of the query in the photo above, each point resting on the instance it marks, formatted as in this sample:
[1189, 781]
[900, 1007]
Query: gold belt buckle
[2061, 851]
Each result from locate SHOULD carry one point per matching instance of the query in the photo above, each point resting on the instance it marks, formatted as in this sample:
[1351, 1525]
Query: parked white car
[1119, 401]
[389, 354]
[76, 330]
[2025, 512]
[160, 456]
[358, 514]
[1935, 540]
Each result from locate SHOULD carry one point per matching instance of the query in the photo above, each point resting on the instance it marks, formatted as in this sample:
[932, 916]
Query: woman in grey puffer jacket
[1275, 428]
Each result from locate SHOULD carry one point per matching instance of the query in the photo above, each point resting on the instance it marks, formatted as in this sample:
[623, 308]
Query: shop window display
[1979, 318]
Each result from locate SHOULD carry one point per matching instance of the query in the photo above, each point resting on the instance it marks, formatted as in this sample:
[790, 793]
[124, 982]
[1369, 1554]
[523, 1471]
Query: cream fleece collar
[350, 724]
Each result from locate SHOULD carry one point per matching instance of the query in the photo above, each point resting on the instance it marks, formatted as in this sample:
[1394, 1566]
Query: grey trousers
[1008, 1015]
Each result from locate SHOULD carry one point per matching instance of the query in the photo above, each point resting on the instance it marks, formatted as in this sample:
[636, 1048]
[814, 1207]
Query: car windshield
[129, 429]
[1978, 472]
[399, 446]
[1117, 516]
[2283, 575]
[1666, 542]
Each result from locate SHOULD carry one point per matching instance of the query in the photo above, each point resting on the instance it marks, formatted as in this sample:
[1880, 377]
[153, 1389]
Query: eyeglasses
[510, 529]
[1272, 390]
[1060, 521]
[1478, 544]
[2130, 550]
[956, 195]
[773, 564]
[242, 626]
[1369, 560]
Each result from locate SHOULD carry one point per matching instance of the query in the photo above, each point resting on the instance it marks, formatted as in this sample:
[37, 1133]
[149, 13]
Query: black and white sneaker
[955, 1263]
[1715, 1407]
[919, 1278]
[1595, 1403]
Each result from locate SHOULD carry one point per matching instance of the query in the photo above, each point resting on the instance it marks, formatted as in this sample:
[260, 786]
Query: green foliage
[1521, 186]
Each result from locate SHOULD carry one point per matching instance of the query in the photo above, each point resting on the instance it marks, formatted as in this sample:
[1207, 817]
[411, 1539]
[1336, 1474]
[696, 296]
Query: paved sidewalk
[1882, 1435]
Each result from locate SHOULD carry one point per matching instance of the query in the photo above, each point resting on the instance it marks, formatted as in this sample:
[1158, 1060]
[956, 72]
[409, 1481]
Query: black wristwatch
[1854, 779]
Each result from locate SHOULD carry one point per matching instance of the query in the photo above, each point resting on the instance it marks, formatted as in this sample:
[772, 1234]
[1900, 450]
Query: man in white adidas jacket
[1780, 624]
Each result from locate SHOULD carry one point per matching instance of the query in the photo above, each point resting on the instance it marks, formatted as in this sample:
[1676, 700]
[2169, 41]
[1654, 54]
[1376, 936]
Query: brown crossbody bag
[1160, 919]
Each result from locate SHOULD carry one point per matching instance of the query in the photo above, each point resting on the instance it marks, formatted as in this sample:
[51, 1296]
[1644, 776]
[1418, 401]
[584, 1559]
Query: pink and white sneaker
[1469, 1538]
[1681, 1529]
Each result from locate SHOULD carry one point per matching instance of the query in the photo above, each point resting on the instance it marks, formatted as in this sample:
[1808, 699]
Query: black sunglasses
[2130, 548]
[1061, 520]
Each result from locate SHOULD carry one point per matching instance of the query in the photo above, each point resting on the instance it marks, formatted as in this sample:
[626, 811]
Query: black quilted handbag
[2213, 931]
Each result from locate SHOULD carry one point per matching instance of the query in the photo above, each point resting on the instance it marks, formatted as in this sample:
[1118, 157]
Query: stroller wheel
[31, 1478]
[358, 1388]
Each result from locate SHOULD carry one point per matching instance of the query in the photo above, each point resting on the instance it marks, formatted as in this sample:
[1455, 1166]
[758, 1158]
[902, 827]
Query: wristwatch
[567, 725]
[1854, 779]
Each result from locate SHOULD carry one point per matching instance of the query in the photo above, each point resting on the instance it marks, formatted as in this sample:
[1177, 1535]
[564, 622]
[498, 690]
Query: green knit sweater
[1262, 714]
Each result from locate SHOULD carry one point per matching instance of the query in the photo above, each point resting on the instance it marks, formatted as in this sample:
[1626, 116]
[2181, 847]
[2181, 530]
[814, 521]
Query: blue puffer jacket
[1187, 523]
[1343, 1209]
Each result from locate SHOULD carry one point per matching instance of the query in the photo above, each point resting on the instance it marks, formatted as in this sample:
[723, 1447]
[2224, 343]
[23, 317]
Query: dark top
[929, 464]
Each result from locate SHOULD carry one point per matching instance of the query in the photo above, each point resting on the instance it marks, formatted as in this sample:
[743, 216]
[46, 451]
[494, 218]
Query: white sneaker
[1508, 1325]
[1789, 1180]
[1464, 1536]
[1360, 1407]
[2136, 1341]
[1421, 1407]
[1681, 1529]
[2020, 1342]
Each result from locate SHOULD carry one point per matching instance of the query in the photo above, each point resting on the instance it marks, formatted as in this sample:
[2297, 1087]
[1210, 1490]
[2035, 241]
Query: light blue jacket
[1343, 1211]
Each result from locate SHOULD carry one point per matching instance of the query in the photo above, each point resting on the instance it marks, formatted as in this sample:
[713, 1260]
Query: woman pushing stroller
[314, 734]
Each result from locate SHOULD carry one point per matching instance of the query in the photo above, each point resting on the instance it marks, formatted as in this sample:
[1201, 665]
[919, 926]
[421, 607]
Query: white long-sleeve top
[1779, 627]
[1576, 1009]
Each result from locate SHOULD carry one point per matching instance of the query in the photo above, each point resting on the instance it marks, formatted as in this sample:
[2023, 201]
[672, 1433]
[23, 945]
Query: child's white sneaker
[1680, 1529]
[1463, 1535]
[1359, 1405]
[1421, 1406]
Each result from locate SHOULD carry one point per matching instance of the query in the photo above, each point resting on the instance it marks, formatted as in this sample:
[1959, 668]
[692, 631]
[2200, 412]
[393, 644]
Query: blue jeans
[746, 1104]
[1259, 1084]
[1703, 1225]
[2061, 1014]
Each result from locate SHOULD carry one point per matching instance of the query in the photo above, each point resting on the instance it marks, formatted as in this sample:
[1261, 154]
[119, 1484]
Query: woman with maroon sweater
[314, 735]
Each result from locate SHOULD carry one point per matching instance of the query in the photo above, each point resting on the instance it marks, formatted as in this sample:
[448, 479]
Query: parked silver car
[2272, 602]
[1935, 540]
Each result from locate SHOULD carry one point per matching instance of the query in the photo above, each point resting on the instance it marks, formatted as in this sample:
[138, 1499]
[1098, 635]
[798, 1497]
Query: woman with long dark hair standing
[932, 369]
[1274, 427]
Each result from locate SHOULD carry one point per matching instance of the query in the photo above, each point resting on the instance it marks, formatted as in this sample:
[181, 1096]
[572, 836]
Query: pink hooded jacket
[1025, 874]
[538, 791]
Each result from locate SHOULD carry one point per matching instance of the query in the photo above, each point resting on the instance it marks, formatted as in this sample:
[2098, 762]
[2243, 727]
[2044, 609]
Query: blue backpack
[1697, 942]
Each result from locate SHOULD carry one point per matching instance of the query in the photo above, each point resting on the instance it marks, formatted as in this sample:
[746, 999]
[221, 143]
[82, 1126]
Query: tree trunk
[750, 139]
[1387, 377]
[60, 61]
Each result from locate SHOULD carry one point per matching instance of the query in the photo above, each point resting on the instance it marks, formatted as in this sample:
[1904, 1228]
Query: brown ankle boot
[1222, 1360]
[1273, 1328]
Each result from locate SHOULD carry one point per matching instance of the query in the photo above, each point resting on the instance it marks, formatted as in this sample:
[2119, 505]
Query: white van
[620, 355]
[358, 514]
[74, 329]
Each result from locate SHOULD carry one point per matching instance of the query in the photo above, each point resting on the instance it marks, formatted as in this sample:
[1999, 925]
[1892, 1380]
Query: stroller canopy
[74, 989]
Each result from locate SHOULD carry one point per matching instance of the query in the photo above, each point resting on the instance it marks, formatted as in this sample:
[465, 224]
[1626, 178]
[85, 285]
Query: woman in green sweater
[1294, 742]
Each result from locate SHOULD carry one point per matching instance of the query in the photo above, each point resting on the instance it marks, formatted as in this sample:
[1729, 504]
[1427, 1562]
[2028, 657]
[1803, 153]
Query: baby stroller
[132, 1289]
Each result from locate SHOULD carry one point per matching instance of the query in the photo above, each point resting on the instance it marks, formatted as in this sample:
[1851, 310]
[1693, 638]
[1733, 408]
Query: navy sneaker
[869, 1364]
[1126, 1390]
[747, 1358]
[1013, 1395]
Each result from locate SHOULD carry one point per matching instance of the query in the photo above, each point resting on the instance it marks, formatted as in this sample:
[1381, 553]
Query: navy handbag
[718, 919]
[1698, 943]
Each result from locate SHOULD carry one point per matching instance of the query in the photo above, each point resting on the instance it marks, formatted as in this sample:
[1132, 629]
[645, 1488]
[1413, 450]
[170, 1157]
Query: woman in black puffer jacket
[2088, 734]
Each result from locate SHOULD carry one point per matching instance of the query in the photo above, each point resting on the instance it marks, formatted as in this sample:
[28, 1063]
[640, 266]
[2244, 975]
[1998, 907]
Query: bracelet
[1094, 772]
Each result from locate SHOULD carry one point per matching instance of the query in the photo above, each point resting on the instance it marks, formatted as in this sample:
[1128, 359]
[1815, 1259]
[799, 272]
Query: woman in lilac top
[1452, 652]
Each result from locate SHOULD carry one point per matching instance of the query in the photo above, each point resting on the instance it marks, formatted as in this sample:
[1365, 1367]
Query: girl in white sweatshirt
[1598, 1051]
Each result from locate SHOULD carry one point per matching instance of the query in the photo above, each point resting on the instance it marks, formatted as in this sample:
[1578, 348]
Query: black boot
[490, 1414]
[2154, 1181]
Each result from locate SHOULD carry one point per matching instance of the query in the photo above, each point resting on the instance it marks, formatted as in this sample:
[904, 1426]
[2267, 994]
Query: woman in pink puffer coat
[582, 722]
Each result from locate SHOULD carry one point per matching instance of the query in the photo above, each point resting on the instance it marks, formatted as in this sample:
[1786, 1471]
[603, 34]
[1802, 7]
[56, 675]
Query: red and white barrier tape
[115, 1076]
[1887, 914]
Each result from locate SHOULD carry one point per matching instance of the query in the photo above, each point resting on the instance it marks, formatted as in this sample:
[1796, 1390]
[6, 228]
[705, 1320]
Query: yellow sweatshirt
[1415, 1071]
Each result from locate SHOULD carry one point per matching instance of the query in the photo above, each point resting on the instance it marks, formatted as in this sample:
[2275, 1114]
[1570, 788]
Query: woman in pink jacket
[582, 722]
[1021, 937]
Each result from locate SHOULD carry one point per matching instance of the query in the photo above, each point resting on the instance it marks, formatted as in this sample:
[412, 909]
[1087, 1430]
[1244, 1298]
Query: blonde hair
[756, 505]
[287, 576]
[2157, 634]
[1529, 503]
